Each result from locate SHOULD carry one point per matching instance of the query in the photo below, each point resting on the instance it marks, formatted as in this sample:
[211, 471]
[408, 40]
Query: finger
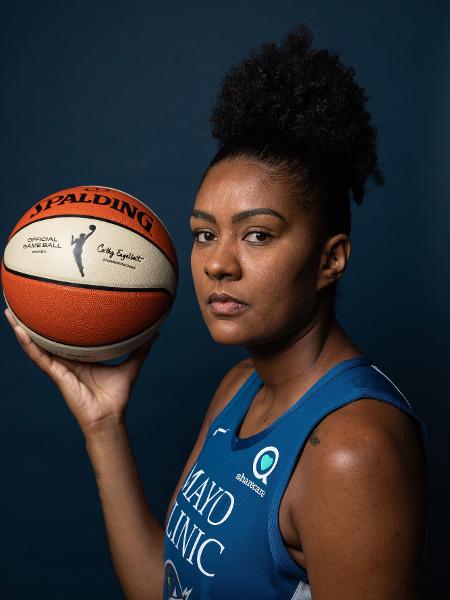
[30, 348]
[44, 360]
[10, 318]
[21, 334]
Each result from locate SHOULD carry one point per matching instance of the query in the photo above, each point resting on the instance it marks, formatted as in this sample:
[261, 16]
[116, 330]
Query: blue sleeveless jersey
[222, 538]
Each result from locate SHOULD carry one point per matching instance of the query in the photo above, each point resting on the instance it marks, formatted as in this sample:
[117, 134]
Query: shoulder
[366, 438]
[362, 495]
[230, 383]
[369, 419]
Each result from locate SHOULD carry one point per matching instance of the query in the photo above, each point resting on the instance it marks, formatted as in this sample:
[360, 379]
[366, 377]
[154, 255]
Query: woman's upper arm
[226, 389]
[361, 513]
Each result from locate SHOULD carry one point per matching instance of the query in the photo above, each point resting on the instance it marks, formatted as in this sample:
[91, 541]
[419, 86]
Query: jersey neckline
[254, 383]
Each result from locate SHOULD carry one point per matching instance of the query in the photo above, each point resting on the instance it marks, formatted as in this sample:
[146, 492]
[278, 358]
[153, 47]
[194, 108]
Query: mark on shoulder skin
[314, 440]
[245, 365]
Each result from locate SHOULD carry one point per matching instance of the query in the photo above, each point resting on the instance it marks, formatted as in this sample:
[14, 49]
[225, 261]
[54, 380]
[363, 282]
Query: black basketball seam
[86, 285]
[106, 221]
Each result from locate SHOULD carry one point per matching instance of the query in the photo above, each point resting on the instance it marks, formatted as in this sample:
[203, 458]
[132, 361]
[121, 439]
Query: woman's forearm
[135, 536]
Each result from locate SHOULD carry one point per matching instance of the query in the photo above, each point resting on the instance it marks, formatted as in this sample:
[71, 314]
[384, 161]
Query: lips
[223, 298]
[226, 305]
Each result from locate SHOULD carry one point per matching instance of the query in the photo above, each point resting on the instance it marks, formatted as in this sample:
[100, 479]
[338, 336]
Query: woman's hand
[96, 394]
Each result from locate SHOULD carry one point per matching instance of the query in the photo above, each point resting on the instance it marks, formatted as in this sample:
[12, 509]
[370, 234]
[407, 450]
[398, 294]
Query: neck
[290, 368]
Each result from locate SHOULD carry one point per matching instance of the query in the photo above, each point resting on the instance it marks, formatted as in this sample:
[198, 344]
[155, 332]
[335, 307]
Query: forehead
[239, 184]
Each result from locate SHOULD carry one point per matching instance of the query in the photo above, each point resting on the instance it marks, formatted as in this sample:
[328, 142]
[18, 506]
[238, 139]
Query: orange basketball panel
[81, 316]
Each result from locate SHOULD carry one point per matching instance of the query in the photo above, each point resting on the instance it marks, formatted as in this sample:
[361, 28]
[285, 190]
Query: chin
[228, 333]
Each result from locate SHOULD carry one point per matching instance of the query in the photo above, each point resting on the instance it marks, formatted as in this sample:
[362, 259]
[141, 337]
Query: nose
[221, 261]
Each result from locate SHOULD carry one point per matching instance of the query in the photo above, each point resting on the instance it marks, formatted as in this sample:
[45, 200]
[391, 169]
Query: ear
[333, 260]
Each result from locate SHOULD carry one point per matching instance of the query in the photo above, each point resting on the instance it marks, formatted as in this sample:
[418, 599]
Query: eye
[197, 233]
[258, 232]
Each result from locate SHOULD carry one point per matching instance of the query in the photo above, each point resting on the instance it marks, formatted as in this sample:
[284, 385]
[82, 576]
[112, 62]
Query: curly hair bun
[305, 100]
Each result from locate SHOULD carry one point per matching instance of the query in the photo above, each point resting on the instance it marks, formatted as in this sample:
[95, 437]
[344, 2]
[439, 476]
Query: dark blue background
[118, 94]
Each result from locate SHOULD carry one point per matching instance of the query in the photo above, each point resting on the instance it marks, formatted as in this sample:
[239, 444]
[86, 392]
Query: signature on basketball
[119, 253]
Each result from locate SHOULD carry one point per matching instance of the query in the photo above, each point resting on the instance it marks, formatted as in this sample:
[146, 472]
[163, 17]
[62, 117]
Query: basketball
[90, 273]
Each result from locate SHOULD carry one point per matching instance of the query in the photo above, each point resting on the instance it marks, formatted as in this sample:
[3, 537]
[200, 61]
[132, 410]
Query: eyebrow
[245, 214]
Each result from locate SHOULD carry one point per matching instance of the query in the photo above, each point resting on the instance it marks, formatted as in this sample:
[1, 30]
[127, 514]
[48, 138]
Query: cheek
[278, 274]
[283, 289]
[195, 267]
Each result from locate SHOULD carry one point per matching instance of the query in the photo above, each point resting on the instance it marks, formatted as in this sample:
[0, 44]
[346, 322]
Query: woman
[308, 475]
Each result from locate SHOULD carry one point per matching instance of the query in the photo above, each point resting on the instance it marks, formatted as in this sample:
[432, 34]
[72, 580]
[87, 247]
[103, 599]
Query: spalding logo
[143, 218]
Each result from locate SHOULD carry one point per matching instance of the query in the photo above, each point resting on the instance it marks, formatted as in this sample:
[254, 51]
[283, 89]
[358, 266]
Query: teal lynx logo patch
[265, 462]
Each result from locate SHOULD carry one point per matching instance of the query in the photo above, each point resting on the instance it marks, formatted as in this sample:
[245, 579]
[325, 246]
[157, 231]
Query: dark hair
[298, 112]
